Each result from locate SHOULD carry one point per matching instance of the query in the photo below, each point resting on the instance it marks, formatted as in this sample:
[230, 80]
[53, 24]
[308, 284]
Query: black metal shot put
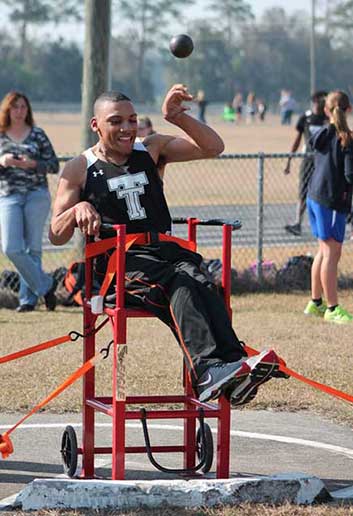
[181, 45]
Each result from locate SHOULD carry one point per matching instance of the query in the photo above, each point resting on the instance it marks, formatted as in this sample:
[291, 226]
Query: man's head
[115, 122]
[318, 100]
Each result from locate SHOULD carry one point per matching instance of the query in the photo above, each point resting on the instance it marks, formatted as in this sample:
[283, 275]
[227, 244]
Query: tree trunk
[95, 61]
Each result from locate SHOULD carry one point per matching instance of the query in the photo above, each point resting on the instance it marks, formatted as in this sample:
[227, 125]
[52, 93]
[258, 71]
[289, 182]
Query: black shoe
[25, 308]
[219, 377]
[50, 297]
[293, 229]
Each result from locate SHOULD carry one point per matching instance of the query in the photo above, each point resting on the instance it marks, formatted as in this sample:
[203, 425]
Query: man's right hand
[87, 218]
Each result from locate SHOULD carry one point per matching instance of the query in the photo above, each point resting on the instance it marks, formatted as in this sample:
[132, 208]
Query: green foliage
[53, 75]
[147, 19]
[232, 51]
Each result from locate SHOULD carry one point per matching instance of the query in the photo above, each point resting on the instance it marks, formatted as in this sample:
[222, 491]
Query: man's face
[116, 125]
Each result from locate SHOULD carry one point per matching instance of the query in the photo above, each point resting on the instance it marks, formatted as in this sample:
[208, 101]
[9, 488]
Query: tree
[209, 69]
[338, 21]
[148, 18]
[231, 14]
[36, 12]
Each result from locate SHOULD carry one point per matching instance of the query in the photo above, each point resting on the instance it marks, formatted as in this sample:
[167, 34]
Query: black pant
[166, 279]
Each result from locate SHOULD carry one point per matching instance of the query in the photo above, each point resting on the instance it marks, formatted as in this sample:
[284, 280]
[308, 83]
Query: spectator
[26, 156]
[238, 106]
[329, 201]
[308, 124]
[144, 127]
[202, 104]
[287, 106]
[251, 107]
[261, 109]
[229, 112]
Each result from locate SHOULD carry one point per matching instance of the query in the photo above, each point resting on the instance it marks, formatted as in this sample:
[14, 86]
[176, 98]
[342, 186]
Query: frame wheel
[69, 451]
[204, 448]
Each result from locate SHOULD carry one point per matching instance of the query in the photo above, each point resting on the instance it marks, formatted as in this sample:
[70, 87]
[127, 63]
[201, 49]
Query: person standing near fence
[201, 102]
[329, 201]
[308, 124]
[26, 157]
[251, 107]
[287, 106]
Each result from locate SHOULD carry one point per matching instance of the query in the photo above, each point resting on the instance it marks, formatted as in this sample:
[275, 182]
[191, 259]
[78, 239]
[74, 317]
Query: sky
[258, 6]
[75, 32]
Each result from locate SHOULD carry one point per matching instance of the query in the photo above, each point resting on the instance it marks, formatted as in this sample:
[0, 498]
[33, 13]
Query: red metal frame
[115, 406]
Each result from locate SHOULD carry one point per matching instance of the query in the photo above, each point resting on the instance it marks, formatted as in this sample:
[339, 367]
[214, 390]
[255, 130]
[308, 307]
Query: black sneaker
[50, 297]
[262, 368]
[221, 376]
[293, 229]
[25, 308]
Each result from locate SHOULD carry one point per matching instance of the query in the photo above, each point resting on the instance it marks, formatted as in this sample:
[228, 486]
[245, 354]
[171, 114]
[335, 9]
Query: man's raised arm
[201, 141]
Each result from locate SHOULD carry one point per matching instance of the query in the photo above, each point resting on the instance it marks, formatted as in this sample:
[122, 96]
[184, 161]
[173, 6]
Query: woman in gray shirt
[26, 157]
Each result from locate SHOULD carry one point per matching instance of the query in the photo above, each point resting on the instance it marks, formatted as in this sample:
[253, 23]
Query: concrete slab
[127, 495]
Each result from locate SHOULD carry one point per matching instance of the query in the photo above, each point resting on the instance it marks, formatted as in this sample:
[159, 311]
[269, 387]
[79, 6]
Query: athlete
[308, 124]
[117, 181]
[329, 201]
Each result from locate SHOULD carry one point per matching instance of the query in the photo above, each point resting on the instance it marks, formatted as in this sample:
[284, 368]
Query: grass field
[314, 348]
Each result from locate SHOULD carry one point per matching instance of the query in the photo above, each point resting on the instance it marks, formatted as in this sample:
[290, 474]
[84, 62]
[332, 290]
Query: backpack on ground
[74, 283]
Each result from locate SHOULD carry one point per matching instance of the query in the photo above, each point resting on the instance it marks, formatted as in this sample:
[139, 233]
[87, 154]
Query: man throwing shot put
[117, 182]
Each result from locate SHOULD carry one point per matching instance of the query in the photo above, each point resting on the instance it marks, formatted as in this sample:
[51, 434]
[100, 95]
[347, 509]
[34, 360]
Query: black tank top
[131, 194]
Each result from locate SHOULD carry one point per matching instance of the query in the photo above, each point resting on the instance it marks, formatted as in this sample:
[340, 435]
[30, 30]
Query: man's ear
[94, 125]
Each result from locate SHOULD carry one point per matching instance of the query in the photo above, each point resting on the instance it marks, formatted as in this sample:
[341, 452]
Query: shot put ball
[181, 45]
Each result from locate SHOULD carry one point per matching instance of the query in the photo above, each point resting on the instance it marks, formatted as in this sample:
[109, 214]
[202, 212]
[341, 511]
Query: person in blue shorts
[329, 202]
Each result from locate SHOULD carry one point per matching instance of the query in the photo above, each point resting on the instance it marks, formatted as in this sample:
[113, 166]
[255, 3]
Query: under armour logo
[130, 187]
[99, 173]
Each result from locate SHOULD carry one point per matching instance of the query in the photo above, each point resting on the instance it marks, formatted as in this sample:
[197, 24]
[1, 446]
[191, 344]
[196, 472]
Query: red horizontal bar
[103, 450]
[155, 414]
[131, 400]
[129, 312]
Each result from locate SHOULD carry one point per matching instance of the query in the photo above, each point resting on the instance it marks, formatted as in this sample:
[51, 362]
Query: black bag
[295, 274]
[10, 280]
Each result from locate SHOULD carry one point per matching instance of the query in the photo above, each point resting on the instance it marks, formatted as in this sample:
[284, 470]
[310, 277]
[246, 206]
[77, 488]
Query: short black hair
[318, 95]
[110, 96]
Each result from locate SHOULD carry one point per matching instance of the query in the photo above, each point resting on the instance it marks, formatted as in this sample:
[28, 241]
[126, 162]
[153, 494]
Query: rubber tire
[69, 451]
[206, 446]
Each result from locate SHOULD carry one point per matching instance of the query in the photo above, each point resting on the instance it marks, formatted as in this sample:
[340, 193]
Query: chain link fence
[248, 187]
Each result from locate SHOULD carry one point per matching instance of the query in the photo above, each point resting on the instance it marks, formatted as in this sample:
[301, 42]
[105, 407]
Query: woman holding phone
[26, 157]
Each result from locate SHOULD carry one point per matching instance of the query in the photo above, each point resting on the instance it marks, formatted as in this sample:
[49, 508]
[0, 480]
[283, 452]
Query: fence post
[260, 214]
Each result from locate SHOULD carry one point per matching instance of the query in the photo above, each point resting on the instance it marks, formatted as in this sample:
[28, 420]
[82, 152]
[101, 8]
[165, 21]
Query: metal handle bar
[236, 224]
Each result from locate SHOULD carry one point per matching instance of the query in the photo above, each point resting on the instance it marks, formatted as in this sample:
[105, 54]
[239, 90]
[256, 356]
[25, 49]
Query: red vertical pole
[189, 424]
[224, 420]
[118, 380]
[88, 380]
[192, 226]
[226, 265]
